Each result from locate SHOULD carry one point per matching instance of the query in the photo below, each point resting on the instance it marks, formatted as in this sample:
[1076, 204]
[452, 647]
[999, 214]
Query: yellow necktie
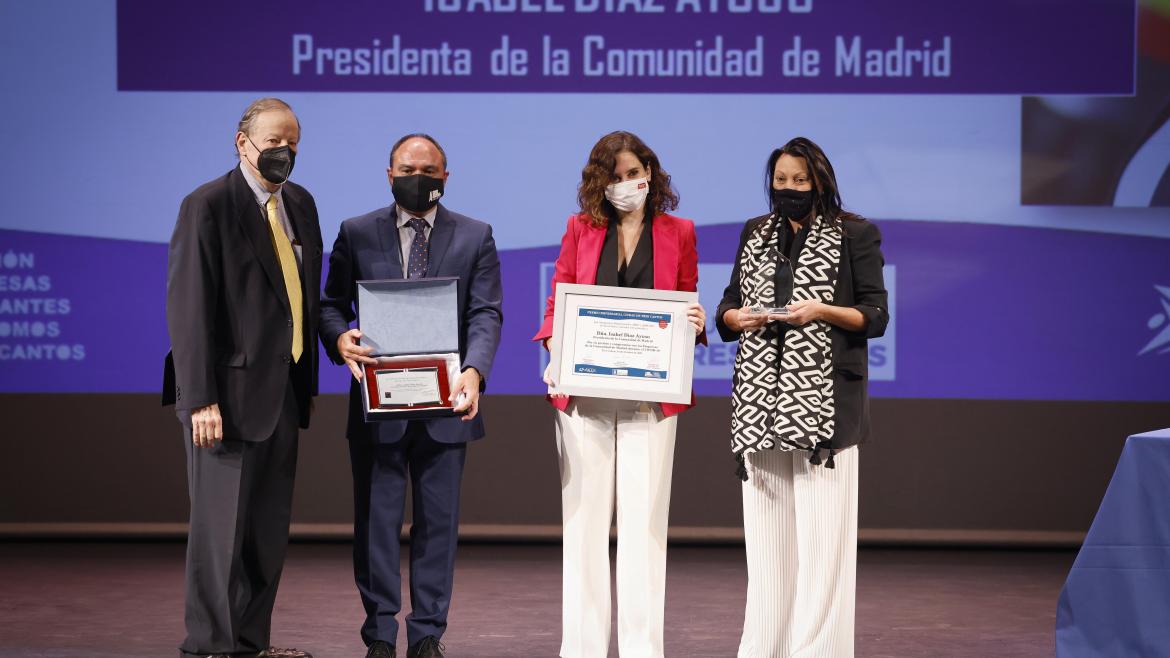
[292, 281]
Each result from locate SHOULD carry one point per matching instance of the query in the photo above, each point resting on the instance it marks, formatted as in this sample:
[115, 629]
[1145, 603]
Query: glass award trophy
[783, 286]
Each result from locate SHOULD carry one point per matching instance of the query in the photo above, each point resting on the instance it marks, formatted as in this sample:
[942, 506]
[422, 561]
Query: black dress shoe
[380, 649]
[428, 647]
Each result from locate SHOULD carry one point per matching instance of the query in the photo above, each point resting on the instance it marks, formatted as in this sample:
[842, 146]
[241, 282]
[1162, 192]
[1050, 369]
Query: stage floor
[106, 600]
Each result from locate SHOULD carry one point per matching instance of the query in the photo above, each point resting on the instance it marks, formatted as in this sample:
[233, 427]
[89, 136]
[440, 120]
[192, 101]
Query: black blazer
[640, 269]
[227, 308]
[860, 285]
[368, 247]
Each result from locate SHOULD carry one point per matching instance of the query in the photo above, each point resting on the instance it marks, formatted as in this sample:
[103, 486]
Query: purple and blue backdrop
[125, 107]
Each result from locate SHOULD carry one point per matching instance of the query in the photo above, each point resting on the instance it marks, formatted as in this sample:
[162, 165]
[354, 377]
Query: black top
[639, 272]
[789, 241]
[792, 241]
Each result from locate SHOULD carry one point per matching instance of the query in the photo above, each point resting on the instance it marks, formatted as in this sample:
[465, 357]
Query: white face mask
[628, 196]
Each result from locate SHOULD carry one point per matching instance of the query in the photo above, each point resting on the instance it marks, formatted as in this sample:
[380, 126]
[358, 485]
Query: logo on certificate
[662, 324]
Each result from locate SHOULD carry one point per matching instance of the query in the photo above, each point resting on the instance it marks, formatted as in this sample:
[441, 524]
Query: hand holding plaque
[354, 354]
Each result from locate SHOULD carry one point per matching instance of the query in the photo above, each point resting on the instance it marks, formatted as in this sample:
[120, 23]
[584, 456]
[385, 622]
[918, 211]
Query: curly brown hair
[598, 173]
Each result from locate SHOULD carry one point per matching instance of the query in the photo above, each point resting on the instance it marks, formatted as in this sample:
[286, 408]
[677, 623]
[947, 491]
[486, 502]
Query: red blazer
[676, 267]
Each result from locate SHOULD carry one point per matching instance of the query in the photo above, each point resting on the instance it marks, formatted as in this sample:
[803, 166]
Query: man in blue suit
[414, 237]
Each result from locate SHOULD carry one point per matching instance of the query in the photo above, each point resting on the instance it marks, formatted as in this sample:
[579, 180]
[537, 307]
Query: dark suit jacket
[860, 285]
[227, 308]
[368, 247]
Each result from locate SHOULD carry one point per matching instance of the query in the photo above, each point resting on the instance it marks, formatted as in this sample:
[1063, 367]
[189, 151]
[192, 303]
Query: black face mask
[275, 164]
[418, 193]
[793, 205]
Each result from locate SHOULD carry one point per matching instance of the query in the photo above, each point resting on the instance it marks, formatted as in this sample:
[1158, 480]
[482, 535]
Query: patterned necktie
[292, 280]
[419, 259]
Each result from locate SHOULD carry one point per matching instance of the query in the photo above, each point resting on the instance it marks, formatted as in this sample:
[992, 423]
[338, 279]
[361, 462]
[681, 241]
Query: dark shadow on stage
[109, 599]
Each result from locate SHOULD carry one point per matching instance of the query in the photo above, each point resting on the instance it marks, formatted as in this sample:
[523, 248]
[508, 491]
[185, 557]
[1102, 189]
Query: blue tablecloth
[1116, 601]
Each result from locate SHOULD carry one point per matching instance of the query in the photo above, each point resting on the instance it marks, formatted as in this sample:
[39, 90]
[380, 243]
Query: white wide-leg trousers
[800, 525]
[599, 442]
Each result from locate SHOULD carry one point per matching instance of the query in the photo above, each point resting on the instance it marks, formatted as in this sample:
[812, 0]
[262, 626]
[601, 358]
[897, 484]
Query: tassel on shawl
[741, 467]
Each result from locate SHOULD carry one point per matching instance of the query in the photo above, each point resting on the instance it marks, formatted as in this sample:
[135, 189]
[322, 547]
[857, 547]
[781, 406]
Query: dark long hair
[598, 173]
[826, 197]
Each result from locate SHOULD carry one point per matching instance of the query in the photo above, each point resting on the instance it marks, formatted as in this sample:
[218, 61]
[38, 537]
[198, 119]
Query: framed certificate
[409, 386]
[408, 383]
[622, 343]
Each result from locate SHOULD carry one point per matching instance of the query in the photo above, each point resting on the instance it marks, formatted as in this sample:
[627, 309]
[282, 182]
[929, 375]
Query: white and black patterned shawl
[783, 398]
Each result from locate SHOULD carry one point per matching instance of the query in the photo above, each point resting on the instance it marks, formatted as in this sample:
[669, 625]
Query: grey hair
[258, 107]
[406, 138]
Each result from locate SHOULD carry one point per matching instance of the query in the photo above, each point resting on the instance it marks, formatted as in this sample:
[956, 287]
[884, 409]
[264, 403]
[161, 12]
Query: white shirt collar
[258, 188]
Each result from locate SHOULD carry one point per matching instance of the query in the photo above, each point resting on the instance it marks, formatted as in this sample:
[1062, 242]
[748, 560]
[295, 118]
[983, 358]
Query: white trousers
[600, 441]
[800, 526]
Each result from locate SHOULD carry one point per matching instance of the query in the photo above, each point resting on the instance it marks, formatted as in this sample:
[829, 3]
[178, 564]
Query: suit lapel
[665, 254]
[441, 237]
[391, 245]
[589, 244]
[255, 227]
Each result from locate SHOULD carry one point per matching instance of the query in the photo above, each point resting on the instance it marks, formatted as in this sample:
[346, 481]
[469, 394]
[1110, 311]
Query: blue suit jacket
[368, 247]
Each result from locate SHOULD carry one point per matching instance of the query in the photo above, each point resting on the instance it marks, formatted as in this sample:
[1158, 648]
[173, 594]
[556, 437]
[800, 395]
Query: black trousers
[380, 474]
[241, 504]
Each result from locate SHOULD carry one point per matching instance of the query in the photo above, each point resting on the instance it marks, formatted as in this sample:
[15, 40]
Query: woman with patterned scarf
[806, 293]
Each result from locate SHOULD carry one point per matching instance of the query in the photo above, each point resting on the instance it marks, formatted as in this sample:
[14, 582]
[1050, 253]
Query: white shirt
[262, 196]
[406, 233]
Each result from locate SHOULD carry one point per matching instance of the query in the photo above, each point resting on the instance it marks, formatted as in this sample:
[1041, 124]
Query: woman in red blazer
[617, 450]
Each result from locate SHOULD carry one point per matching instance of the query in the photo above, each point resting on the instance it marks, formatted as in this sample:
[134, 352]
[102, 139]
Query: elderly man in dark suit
[243, 275]
[413, 238]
